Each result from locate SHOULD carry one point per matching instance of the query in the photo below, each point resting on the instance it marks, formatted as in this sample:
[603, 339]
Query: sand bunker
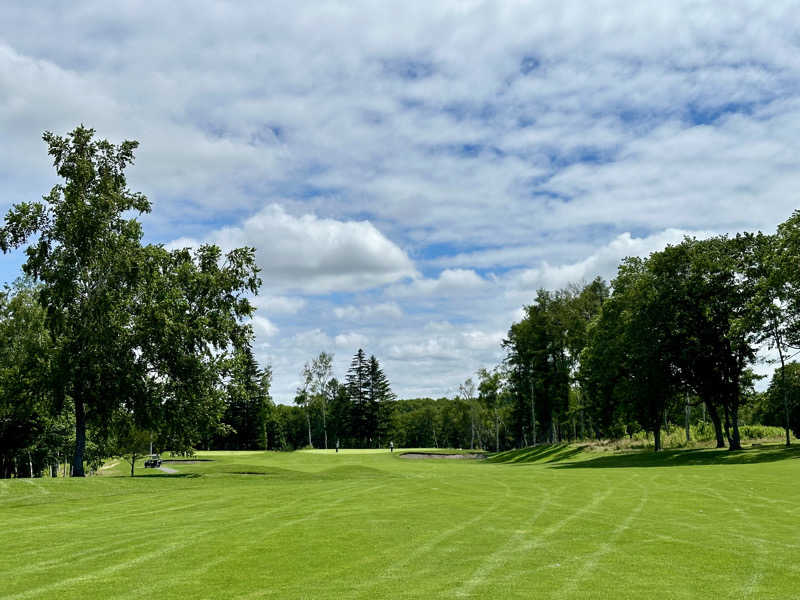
[471, 455]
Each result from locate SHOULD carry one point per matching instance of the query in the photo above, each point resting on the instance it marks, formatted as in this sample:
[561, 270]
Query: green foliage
[245, 423]
[31, 432]
[783, 393]
[133, 328]
[542, 354]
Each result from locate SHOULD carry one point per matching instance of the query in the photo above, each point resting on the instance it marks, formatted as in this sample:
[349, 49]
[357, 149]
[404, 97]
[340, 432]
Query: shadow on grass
[538, 454]
[170, 475]
[686, 457]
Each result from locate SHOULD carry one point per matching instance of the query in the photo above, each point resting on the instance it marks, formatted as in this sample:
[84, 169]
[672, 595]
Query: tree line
[674, 332]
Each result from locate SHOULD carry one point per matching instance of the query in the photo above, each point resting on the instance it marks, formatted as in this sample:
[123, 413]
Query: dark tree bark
[715, 419]
[735, 442]
[688, 424]
[734, 439]
[785, 393]
[727, 423]
[80, 438]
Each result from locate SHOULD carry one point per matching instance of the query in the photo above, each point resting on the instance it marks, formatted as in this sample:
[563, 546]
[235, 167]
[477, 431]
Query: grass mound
[549, 453]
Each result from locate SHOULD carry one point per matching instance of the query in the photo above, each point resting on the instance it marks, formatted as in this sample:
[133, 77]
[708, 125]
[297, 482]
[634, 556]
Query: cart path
[167, 470]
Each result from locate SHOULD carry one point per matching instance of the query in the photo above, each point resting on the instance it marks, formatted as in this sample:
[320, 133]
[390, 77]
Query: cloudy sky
[410, 173]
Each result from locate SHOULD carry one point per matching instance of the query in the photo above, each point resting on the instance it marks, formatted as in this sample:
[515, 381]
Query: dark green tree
[381, 400]
[248, 403]
[363, 411]
[783, 392]
[131, 324]
[31, 431]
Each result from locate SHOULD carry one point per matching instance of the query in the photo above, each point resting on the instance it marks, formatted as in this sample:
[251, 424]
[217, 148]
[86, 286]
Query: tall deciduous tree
[130, 324]
[318, 375]
[775, 263]
[489, 388]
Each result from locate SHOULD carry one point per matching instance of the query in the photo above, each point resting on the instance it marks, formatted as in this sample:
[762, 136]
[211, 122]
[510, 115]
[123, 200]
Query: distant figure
[337, 446]
[391, 446]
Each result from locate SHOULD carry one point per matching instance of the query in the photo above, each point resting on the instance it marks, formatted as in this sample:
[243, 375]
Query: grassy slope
[545, 523]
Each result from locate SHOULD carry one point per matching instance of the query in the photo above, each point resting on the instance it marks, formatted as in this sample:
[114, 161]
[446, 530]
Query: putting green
[544, 523]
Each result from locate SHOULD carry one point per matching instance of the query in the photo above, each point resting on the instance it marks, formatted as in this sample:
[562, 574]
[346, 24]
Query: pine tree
[381, 397]
[359, 390]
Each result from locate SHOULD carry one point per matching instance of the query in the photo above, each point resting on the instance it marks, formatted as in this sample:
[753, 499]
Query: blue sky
[411, 174]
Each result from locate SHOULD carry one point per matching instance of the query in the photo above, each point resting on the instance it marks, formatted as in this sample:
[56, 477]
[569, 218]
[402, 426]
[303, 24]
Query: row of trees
[355, 413]
[672, 339]
[678, 329]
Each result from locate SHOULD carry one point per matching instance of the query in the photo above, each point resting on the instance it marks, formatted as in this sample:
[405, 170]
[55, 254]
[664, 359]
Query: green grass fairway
[543, 523]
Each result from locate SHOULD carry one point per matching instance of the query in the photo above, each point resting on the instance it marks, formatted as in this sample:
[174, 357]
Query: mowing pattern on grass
[549, 522]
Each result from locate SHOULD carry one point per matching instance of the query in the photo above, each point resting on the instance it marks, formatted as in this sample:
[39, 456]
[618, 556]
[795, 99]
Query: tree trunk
[688, 418]
[308, 420]
[728, 425]
[324, 425]
[472, 428]
[80, 438]
[779, 345]
[496, 431]
[785, 395]
[533, 416]
[133, 462]
[735, 442]
[715, 419]
[657, 436]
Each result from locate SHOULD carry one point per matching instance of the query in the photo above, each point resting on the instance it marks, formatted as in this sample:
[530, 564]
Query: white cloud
[282, 305]
[602, 262]
[263, 327]
[351, 341]
[449, 281]
[380, 311]
[315, 255]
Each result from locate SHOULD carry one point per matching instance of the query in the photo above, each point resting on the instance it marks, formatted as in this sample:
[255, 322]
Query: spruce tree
[381, 397]
[358, 388]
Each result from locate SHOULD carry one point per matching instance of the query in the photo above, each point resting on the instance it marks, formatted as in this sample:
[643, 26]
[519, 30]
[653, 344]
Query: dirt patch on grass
[422, 455]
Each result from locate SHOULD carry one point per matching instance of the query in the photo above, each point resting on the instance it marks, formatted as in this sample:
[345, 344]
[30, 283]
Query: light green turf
[544, 523]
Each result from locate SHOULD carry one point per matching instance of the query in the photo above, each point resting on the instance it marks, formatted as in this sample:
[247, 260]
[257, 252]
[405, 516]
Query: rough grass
[549, 522]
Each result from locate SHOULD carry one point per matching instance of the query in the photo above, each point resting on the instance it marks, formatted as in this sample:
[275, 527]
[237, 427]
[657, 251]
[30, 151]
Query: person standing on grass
[337, 446]
[391, 446]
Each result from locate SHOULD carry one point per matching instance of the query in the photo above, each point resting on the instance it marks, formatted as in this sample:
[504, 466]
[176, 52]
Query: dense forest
[109, 347]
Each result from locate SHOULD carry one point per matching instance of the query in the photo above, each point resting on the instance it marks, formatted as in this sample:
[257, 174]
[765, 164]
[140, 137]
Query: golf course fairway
[549, 522]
